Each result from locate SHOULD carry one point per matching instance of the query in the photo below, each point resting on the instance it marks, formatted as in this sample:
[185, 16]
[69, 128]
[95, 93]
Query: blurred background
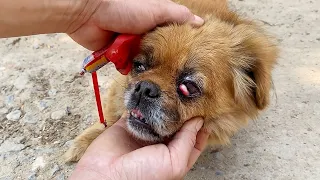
[44, 103]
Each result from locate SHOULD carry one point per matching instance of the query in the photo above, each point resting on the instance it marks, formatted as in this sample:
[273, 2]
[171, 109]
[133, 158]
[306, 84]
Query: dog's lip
[136, 113]
[136, 117]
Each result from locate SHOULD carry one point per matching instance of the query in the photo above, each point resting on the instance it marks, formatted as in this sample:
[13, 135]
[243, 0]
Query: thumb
[183, 144]
[92, 37]
[177, 13]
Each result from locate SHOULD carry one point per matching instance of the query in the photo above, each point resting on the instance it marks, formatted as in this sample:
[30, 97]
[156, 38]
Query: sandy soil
[44, 104]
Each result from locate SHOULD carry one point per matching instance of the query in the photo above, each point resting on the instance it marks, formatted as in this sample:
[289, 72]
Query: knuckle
[160, 14]
[192, 141]
[178, 172]
[185, 10]
[190, 134]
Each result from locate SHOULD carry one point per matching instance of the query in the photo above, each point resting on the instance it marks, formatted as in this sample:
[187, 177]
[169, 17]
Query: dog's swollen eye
[189, 89]
[138, 67]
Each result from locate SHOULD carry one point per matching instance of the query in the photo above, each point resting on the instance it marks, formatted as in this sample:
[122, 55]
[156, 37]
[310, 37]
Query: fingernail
[199, 124]
[198, 21]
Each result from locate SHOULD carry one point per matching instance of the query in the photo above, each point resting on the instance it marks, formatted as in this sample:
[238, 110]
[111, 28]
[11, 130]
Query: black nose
[147, 89]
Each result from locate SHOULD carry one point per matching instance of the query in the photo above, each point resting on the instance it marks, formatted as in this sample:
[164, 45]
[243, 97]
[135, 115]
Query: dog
[221, 71]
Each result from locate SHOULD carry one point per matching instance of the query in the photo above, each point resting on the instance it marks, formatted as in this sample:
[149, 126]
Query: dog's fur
[230, 60]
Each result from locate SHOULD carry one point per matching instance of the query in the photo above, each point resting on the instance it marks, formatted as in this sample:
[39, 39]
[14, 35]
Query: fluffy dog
[220, 71]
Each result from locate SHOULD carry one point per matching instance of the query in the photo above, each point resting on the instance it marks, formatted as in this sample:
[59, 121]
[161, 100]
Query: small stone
[44, 150]
[58, 114]
[30, 119]
[32, 176]
[10, 146]
[68, 143]
[21, 82]
[68, 111]
[56, 142]
[246, 165]
[9, 100]
[88, 118]
[52, 92]
[36, 45]
[218, 156]
[19, 140]
[42, 105]
[14, 115]
[219, 173]
[38, 163]
[60, 177]
[48, 55]
[54, 170]
[2, 158]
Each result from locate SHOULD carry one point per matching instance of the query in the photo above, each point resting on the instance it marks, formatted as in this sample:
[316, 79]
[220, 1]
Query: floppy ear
[253, 59]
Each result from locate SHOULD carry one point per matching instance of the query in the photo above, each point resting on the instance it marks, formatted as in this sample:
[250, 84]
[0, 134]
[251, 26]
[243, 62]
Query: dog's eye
[138, 67]
[189, 89]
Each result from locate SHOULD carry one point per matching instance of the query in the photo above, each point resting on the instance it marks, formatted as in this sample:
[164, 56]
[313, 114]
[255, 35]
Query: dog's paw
[82, 142]
[75, 152]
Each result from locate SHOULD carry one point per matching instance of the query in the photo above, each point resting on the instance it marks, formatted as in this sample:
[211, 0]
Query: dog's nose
[147, 89]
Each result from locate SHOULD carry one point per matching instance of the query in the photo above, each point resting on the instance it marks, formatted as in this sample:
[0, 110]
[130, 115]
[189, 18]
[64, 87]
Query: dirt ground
[44, 104]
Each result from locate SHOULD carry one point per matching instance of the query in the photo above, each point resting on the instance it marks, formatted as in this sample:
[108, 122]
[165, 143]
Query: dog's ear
[252, 62]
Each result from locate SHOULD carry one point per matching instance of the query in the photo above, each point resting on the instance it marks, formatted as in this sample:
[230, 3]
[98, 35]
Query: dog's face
[213, 72]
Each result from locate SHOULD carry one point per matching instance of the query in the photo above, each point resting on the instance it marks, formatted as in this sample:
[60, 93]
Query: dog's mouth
[138, 117]
[141, 126]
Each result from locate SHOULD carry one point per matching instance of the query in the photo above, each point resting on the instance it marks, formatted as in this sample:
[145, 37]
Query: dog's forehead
[170, 47]
[164, 46]
[181, 47]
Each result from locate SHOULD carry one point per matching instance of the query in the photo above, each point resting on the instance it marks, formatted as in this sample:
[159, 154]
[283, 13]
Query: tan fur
[222, 52]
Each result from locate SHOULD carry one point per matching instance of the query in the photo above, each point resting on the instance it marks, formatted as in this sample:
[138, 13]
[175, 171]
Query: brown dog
[220, 71]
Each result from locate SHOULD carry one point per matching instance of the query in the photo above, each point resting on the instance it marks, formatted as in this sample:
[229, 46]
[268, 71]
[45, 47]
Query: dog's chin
[143, 131]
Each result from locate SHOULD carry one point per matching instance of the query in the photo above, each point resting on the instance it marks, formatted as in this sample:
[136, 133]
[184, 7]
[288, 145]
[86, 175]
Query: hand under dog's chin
[143, 128]
[141, 133]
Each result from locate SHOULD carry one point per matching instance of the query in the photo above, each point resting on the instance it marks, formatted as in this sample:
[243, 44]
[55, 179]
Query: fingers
[130, 17]
[113, 142]
[122, 121]
[199, 147]
[92, 37]
[179, 14]
[183, 144]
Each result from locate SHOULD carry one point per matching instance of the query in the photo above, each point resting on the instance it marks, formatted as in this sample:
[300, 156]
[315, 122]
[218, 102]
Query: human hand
[116, 155]
[126, 16]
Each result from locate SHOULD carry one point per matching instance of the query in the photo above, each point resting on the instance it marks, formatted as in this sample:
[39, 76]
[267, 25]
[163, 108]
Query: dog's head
[217, 72]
